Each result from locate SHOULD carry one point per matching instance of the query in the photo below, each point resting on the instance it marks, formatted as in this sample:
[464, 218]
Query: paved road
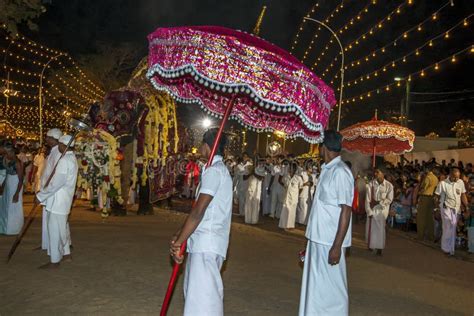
[121, 267]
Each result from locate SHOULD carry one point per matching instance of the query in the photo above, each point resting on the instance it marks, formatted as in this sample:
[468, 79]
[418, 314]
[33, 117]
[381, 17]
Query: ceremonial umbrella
[376, 137]
[235, 75]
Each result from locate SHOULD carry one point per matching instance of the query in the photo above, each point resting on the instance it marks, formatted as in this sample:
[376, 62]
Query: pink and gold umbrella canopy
[270, 89]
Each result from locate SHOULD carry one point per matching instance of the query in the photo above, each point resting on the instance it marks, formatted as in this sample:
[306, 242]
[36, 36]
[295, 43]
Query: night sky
[77, 26]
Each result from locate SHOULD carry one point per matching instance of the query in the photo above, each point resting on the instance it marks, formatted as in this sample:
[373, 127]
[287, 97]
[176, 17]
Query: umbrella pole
[174, 274]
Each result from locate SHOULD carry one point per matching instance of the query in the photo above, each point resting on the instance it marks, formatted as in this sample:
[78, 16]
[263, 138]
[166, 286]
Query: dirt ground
[121, 267]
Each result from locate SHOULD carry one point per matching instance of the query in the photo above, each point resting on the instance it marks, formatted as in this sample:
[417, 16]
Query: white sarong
[324, 287]
[203, 287]
[59, 237]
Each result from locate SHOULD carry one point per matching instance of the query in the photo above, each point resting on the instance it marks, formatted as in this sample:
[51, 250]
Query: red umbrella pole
[174, 274]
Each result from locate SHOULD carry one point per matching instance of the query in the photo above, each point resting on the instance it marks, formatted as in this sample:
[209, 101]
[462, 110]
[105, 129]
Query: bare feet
[67, 258]
[37, 248]
[49, 266]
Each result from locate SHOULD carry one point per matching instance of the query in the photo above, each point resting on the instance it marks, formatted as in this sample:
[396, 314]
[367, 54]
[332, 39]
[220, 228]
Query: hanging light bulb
[453, 59]
[431, 44]
[446, 36]
[465, 22]
[435, 16]
[422, 74]
[419, 28]
[436, 67]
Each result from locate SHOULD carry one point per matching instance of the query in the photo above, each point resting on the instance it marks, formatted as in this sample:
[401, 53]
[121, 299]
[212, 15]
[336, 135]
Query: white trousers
[59, 240]
[44, 231]
[450, 222]
[203, 287]
[324, 287]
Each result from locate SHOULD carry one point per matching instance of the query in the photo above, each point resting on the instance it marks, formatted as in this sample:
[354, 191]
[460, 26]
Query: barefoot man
[207, 230]
[57, 198]
[324, 286]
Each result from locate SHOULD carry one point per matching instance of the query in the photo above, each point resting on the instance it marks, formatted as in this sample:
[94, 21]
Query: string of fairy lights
[341, 30]
[380, 51]
[67, 90]
[301, 26]
[415, 53]
[415, 50]
[421, 73]
[316, 34]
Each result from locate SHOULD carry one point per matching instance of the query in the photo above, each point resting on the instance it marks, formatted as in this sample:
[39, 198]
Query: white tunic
[252, 200]
[212, 234]
[290, 203]
[383, 195]
[58, 195]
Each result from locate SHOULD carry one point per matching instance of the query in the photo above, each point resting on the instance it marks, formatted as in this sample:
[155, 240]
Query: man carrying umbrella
[207, 230]
[324, 285]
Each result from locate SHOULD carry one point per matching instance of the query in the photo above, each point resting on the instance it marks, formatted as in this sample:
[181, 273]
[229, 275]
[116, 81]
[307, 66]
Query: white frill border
[234, 88]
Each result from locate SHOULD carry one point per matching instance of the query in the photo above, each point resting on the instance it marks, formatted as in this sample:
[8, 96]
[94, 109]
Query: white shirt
[58, 195]
[53, 157]
[335, 188]
[212, 234]
[450, 193]
[383, 195]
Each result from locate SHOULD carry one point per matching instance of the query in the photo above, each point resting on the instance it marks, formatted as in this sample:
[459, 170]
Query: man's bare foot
[67, 258]
[49, 266]
[37, 248]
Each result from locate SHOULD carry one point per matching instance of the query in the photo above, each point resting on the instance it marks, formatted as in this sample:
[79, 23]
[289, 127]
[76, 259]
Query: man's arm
[342, 227]
[192, 222]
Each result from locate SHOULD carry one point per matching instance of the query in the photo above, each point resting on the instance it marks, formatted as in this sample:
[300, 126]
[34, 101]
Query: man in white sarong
[207, 230]
[254, 193]
[379, 196]
[324, 284]
[266, 192]
[52, 140]
[292, 183]
[57, 197]
[450, 193]
[276, 188]
[304, 198]
[39, 163]
[242, 170]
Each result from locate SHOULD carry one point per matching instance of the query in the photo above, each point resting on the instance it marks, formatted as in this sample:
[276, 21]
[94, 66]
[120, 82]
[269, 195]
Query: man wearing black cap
[207, 230]
[324, 285]
[379, 197]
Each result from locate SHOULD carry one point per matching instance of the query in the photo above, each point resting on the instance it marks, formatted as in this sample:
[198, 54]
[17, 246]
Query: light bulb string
[380, 51]
[411, 53]
[407, 77]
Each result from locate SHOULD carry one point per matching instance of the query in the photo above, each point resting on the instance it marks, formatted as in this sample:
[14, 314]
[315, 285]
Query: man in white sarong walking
[450, 193]
[277, 191]
[242, 170]
[304, 198]
[379, 197]
[324, 284]
[57, 197]
[292, 183]
[254, 194]
[207, 230]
